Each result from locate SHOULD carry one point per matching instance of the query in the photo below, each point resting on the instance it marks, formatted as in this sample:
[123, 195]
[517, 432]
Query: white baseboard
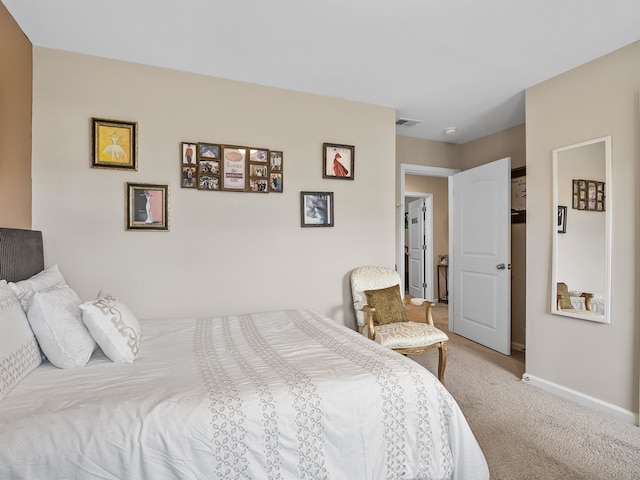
[517, 347]
[583, 399]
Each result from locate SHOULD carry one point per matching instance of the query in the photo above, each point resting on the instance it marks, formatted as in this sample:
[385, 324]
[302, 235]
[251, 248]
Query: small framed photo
[258, 155]
[188, 152]
[258, 170]
[275, 160]
[339, 161]
[316, 209]
[189, 176]
[208, 182]
[209, 167]
[562, 219]
[275, 182]
[234, 169]
[115, 144]
[259, 185]
[147, 206]
[208, 151]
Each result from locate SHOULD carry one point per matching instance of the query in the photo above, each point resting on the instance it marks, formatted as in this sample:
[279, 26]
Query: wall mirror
[581, 266]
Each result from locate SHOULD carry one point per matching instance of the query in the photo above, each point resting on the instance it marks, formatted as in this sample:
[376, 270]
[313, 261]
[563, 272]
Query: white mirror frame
[606, 318]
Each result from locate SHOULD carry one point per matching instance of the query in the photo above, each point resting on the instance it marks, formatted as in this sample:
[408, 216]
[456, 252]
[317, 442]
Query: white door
[482, 255]
[421, 248]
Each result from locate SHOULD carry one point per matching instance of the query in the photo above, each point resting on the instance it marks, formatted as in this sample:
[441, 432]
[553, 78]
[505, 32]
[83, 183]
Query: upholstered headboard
[21, 254]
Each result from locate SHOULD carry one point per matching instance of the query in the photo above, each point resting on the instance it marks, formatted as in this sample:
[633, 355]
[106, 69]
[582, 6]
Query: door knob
[501, 266]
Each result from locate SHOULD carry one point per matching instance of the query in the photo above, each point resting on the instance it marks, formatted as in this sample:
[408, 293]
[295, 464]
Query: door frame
[425, 171]
[427, 230]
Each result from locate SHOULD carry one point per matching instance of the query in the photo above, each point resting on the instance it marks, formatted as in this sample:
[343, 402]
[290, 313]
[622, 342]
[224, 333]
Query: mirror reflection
[582, 198]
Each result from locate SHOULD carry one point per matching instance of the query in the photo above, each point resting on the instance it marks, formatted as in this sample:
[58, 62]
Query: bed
[270, 395]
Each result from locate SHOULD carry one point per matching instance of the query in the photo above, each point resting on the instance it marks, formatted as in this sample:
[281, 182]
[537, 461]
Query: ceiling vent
[407, 122]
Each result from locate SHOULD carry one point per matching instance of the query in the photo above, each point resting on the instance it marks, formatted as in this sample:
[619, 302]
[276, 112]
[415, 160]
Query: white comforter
[276, 395]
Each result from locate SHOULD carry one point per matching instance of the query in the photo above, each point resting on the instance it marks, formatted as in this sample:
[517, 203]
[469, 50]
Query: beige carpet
[526, 432]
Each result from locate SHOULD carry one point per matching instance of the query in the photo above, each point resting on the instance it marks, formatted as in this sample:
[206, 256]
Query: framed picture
[258, 155]
[208, 151]
[258, 170]
[562, 219]
[208, 182]
[147, 206]
[189, 176]
[275, 182]
[316, 209]
[588, 195]
[339, 161]
[188, 151]
[234, 168]
[275, 160]
[519, 195]
[115, 144]
[259, 185]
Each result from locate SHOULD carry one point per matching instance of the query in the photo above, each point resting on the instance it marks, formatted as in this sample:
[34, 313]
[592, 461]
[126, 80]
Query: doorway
[442, 202]
[419, 247]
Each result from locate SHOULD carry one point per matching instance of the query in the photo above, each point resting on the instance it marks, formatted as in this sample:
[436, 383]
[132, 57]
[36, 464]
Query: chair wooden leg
[442, 361]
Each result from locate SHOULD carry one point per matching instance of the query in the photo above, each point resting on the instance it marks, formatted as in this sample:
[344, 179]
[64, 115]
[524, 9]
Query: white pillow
[48, 279]
[19, 352]
[114, 328]
[56, 320]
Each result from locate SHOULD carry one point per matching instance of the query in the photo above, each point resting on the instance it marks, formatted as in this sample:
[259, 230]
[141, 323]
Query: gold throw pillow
[388, 305]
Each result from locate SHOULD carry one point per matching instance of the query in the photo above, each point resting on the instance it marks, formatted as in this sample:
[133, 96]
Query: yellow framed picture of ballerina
[115, 144]
[339, 161]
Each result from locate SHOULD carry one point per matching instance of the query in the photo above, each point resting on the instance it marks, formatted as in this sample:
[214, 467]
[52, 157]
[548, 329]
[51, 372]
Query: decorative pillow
[19, 352]
[56, 320]
[388, 305]
[114, 328]
[48, 279]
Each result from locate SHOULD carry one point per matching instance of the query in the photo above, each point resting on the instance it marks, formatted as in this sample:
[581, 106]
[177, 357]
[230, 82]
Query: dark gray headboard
[21, 254]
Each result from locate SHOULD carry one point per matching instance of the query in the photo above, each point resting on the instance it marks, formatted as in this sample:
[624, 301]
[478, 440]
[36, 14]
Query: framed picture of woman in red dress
[339, 161]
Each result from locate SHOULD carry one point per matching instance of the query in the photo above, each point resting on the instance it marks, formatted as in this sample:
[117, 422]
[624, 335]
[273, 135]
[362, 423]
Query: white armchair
[379, 307]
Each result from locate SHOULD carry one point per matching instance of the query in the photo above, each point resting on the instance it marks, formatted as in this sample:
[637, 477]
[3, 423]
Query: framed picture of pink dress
[338, 161]
[147, 206]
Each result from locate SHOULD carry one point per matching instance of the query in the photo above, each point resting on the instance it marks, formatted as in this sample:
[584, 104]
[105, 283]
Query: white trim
[518, 347]
[593, 403]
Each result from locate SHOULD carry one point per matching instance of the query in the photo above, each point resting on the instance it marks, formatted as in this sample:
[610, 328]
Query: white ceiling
[448, 63]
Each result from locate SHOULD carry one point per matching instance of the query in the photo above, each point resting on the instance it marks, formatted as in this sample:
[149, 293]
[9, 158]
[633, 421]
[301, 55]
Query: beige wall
[227, 252]
[591, 101]
[15, 124]
[508, 143]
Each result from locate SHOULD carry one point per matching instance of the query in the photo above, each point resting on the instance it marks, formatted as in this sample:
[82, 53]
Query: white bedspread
[276, 395]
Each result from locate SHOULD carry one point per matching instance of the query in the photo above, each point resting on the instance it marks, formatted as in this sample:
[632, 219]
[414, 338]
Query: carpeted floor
[526, 432]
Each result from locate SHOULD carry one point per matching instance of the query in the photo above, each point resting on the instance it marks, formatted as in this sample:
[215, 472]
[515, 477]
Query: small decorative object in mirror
[519, 195]
[339, 161]
[316, 209]
[562, 219]
[588, 195]
[147, 206]
[115, 144]
[443, 259]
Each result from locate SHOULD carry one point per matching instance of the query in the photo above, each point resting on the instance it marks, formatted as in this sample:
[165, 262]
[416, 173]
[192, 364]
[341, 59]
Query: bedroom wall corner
[226, 252]
[15, 123]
